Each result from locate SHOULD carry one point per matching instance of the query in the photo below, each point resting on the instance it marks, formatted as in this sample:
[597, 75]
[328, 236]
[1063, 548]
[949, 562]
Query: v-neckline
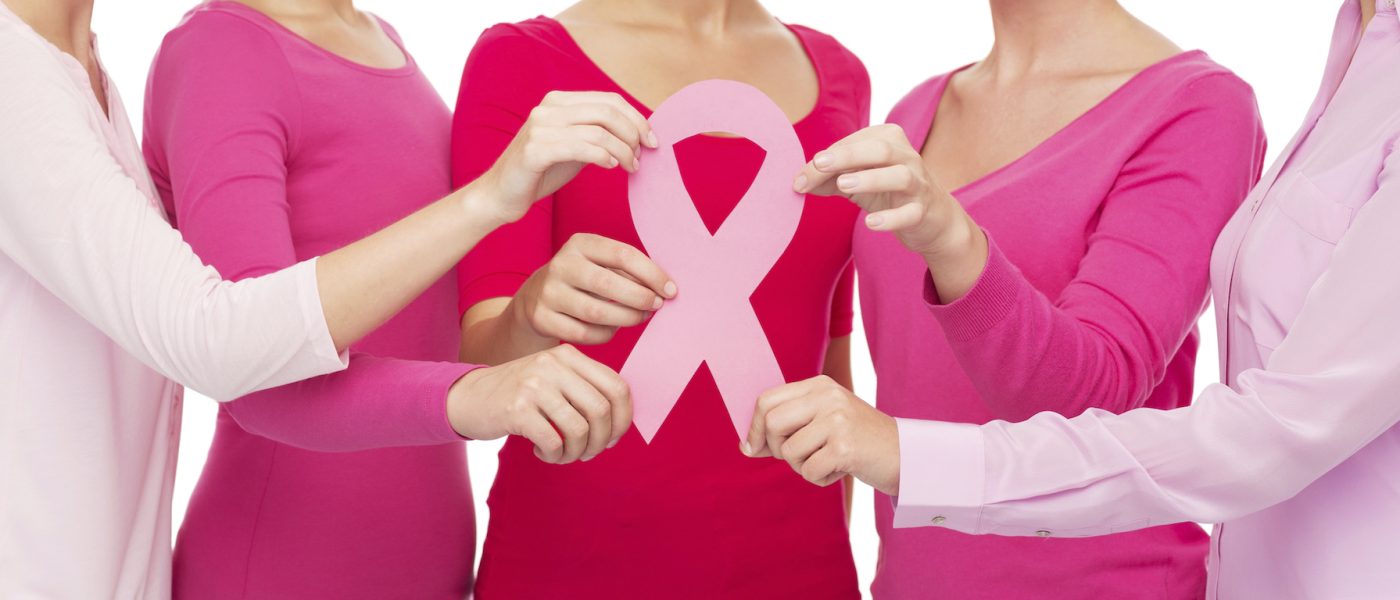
[963, 192]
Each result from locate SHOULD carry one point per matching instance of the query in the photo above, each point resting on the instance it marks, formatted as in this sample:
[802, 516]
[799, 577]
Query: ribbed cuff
[436, 384]
[991, 299]
[941, 475]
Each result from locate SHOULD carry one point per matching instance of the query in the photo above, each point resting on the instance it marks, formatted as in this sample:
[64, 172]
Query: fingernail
[614, 442]
[669, 290]
[651, 139]
[746, 448]
[822, 160]
[636, 163]
[612, 162]
[874, 221]
[848, 181]
[800, 184]
[656, 303]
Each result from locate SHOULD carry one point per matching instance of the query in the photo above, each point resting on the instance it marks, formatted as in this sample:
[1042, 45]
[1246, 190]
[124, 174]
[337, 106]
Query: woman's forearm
[495, 332]
[364, 284]
[960, 258]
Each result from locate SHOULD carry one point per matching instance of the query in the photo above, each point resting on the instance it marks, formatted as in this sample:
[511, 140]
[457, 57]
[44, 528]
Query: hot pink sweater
[268, 150]
[1098, 270]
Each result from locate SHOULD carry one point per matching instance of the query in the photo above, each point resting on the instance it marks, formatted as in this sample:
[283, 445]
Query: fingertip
[656, 303]
[874, 221]
[746, 448]
[652, 142]
[799, 185]
[669, 290]
[848, 182]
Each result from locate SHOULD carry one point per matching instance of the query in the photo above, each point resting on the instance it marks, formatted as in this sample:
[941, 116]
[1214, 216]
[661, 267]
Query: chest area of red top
[717, 173]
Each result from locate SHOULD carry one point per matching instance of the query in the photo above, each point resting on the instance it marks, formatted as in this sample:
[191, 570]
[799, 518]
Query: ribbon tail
[658, 370]
[743, 369]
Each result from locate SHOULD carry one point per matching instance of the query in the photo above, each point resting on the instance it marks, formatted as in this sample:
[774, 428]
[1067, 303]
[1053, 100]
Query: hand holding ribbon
[879, 170]
[825, 433]
[712, 321]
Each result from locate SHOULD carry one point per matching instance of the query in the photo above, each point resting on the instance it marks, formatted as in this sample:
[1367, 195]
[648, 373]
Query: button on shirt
[1297, 453]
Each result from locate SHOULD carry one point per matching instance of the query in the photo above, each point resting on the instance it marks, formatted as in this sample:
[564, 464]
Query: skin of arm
[113, 226]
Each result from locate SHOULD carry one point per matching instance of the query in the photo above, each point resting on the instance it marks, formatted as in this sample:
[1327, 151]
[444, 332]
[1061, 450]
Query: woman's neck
[307, 9]
[66, 24]
[1051, 35]
[705, 17]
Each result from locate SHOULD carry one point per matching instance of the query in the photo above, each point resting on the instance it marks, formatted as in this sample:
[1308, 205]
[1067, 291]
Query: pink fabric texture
[1097, 271]
[267, 149]
[1295, 456]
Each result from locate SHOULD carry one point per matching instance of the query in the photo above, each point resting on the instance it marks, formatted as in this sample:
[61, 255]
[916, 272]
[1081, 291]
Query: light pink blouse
[1298, 453]
[100, 302]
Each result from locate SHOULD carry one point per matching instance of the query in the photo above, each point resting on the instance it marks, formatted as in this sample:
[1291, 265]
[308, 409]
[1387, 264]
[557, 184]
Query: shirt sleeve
[504, 79]
[843, 301]
[226, 110]
[1106, 339]
[72, 219]
[1327, 391]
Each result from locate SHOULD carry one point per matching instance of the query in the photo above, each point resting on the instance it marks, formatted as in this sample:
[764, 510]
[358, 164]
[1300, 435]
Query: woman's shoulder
[1192, 79]
[535, 39]
[220, 55]
[518, 63]
[220, 29]
[829, 52]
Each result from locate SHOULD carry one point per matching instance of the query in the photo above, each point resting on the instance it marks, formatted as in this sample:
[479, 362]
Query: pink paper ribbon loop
[711, 320]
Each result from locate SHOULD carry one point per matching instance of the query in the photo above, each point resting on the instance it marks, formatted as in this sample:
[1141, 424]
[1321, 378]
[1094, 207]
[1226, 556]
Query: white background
[1278, 46]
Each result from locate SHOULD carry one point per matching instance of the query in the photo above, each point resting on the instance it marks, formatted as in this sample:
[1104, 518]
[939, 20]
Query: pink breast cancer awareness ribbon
[711, 319]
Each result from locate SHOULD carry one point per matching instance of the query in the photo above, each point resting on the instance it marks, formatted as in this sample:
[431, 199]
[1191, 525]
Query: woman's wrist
[458, 397]
[958, 258]
[482, 207]
[523, 334]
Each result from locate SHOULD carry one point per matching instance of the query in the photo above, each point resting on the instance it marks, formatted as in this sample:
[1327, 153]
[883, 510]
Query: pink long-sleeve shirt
[1298, 452]
[268, 149]
[104, 312]
[1097, 271]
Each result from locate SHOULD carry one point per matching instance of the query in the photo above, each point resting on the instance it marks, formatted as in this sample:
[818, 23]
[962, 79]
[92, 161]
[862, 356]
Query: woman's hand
[881, 172]
[591, 287]
[567, 131]
[549, 394]
[825, 432]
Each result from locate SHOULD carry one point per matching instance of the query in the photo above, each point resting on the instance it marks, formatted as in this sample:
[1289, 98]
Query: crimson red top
[688, 515]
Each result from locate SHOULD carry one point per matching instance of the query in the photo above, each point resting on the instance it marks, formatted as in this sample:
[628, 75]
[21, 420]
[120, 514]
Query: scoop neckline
[409, 66]
[818, 106]
[931, 114]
